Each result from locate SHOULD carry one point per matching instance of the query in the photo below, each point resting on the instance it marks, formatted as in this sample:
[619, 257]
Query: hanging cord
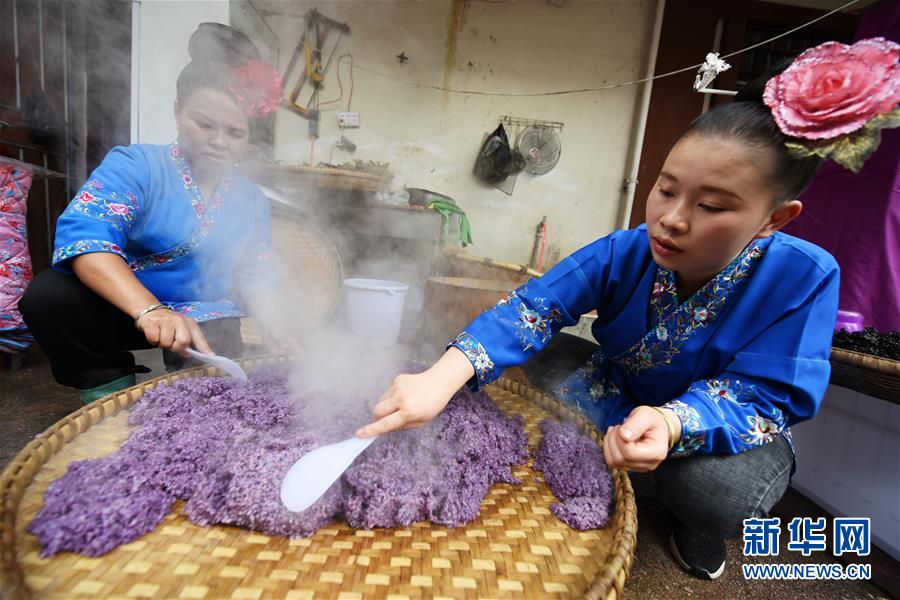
[340, 84]
[599, 87]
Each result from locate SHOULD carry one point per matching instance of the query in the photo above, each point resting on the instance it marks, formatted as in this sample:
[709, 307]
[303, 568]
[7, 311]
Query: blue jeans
[711, 493]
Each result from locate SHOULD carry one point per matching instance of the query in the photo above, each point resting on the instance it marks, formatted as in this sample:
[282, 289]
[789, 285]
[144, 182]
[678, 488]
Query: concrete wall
[431, 137]
[160, 33]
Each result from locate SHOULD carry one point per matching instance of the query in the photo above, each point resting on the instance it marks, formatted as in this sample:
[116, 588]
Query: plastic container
[849, 321]
[375, 309]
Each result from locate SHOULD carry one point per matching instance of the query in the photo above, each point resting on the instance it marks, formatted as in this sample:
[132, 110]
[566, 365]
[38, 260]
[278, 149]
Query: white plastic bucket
[375, 308]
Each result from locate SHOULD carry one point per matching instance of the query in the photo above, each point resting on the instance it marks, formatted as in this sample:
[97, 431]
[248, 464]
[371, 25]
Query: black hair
[215, 50]
[750, 121]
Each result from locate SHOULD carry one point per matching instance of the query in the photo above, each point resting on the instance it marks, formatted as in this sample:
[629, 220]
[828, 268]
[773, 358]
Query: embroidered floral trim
[789, 438]
[84, 247]
[693, 435]
[206, 212]
[187, 178]
[590, 389]
[477, 355]
[760, 429]
[672, 324]
[663, 298]
[533, 324]
[119, 210]
[207, 311]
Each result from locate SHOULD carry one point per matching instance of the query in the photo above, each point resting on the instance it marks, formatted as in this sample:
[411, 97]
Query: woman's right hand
[172, 331]
[109, 276]
[415, 399]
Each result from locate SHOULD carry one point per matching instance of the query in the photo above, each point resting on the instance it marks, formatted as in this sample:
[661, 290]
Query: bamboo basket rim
[868, 361]
[18, 475]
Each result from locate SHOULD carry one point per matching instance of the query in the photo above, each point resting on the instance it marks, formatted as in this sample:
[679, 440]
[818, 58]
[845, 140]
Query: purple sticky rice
[225, 447]
[574, 468]
[245, 488]
[98, 505]
[440, 473]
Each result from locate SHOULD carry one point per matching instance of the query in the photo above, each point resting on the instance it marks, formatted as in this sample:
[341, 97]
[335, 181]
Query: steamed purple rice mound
[98, 505]
[574, 468]
[244, 489]
[440, 472]
[225, 446]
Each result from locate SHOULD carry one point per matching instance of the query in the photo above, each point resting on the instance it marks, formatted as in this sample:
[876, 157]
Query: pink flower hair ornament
[256, 88]
[835, 99]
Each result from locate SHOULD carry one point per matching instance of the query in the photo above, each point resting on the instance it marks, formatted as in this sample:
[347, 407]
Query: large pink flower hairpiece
[834, 99]
[256, 87]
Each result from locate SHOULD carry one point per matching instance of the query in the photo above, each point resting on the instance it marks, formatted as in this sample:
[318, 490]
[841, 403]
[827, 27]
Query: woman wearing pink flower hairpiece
[164, 245]
[714, 328]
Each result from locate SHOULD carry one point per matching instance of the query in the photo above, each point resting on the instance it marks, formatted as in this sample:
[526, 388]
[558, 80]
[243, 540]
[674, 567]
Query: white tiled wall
[848, 461]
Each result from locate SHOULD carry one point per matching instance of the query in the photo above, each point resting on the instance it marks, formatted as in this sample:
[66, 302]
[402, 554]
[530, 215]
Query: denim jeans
[711, 493]
[714, 493]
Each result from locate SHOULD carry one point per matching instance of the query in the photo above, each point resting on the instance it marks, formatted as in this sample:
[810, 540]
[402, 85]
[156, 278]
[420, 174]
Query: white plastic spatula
[315, 471]
[220, 362]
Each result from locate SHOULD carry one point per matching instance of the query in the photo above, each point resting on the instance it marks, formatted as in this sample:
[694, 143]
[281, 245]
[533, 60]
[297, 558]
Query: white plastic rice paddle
[220, 362]
[315, 471]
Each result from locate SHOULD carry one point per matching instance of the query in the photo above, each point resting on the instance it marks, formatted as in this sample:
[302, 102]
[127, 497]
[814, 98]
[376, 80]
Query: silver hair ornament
[709, 70]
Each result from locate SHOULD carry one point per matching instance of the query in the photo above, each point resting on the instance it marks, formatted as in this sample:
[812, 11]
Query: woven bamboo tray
[865, 373]
[320, 177]
[516, 548]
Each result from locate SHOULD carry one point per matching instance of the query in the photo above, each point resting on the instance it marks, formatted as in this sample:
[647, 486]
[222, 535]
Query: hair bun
[221, 43]
[753, 90]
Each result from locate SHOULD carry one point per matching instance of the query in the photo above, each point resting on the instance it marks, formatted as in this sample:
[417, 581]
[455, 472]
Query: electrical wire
[340, 84]
[592, 88]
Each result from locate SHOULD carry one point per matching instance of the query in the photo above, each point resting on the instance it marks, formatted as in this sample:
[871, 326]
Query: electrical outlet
[348, 119]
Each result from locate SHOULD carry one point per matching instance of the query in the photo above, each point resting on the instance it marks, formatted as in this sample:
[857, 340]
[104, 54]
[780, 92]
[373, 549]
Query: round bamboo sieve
[516, 548]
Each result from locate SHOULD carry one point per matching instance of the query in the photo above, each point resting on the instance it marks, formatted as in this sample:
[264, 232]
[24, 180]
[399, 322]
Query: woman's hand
[109, 276]
[172, 331]
[411, 401]
[414, 400]
[641, 443]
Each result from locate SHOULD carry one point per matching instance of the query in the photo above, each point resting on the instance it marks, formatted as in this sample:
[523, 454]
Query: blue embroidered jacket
[739, 361]
[199, 256]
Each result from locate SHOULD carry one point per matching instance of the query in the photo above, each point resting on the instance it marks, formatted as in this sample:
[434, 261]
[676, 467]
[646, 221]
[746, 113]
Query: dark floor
[30, 402]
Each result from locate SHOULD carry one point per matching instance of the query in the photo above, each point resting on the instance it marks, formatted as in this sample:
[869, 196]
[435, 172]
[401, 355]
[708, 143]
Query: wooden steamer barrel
[452, 302]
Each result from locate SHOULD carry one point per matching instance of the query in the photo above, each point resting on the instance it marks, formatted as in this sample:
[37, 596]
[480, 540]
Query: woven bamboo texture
[309, 271]
[321, 177]
[515, 549]
[872, 375]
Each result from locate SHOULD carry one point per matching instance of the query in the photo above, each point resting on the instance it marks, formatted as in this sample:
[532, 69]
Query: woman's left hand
[640, 444]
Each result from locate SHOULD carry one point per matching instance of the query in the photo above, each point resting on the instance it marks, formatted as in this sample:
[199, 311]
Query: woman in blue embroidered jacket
[164, 245]
[714, 332]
